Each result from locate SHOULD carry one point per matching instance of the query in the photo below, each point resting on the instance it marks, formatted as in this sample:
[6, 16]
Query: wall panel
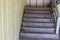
[38, 2]
[58, 8]
[11, 12]
[46, 2]
[33, 2]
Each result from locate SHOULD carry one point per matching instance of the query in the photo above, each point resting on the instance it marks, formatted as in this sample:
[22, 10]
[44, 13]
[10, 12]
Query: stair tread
[52, 28]
[38, 27]
[38, 24]
[49, 12]
[36, 33]
[32, 38]
[41, 9]
[38, 8]
[39, 15]
[39, 35]
[33, 7]
[38, 30]
[37, 20]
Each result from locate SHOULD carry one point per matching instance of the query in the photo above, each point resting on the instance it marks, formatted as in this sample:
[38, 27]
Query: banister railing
[56, 14]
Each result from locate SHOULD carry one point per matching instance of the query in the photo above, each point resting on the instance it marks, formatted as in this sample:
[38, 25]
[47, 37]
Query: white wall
[58, 8]
[39, 2]
[59, 12]
[8, 11]
[11, 12]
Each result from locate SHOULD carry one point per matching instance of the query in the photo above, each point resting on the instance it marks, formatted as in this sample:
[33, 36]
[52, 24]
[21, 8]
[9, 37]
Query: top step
[38, 8]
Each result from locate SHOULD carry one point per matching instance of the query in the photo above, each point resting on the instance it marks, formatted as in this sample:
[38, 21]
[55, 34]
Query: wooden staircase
[38, 22]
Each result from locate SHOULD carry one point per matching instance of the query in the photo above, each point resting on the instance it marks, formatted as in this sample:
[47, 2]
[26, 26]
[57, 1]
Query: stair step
[38, 24]
[38, 35]
[37, 20]
[30, 11]
[37, 8]
[32, 38]
[39, 30]
[38, 15]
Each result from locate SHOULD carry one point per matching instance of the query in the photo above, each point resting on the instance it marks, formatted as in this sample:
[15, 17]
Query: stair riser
[39, 30]
[37, 20]
[38, 24]
[52, 36]
[37, 8]
[38, 11]
[38, 15]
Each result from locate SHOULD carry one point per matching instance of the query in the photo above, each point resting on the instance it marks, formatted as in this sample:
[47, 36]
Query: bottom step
[29, 38]
[35, 35]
